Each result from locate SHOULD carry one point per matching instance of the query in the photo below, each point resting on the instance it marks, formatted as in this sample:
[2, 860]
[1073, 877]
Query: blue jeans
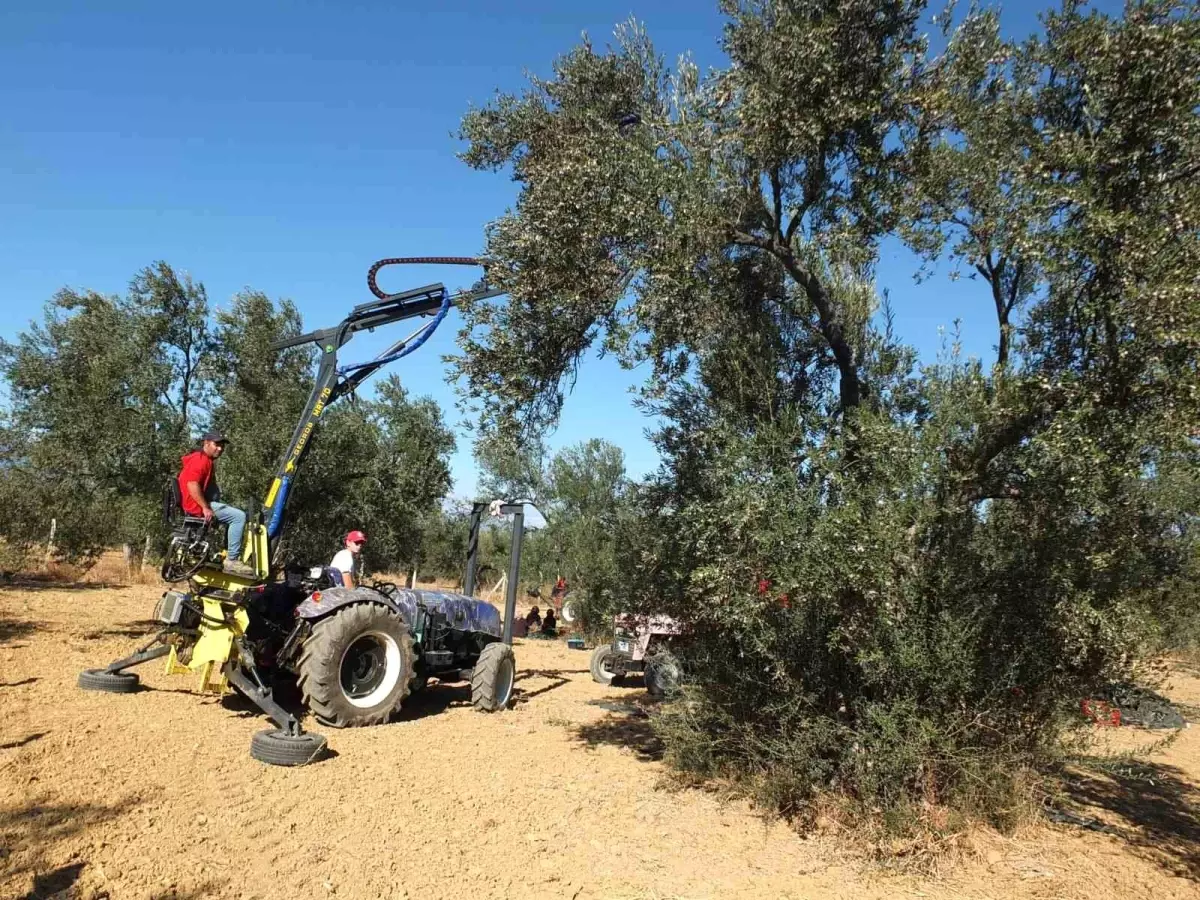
[236, 520]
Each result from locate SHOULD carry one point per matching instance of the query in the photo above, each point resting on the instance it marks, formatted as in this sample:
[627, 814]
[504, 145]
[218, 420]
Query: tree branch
[832, 329]
[777, 203]
[994, 273]
[814, 180]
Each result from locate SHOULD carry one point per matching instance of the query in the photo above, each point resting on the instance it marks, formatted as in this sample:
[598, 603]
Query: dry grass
[109, 569]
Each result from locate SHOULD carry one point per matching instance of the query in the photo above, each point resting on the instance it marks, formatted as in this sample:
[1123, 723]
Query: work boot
[239, 568]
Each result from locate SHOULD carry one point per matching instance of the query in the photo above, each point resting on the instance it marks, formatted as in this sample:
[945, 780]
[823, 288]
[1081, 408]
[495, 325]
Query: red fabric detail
[197, 467]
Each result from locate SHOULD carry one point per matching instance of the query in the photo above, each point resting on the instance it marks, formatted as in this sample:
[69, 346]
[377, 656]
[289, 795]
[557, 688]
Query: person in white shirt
[346, 558]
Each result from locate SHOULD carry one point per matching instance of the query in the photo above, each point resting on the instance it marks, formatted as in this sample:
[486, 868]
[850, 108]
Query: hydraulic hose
[414, 260]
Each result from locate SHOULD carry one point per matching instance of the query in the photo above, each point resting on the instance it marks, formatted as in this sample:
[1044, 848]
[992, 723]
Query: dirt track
[155, 795]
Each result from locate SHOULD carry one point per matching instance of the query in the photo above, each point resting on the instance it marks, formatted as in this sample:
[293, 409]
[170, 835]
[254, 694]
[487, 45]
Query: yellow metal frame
[256, 550]
[215, 646]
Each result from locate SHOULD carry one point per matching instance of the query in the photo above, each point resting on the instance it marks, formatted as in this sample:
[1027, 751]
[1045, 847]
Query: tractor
[640, 644]
[356, 653]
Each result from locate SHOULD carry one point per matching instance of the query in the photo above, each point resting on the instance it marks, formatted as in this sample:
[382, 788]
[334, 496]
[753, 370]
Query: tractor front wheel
[356, 666]
[600, 664]
[571, 611]
[493, 677]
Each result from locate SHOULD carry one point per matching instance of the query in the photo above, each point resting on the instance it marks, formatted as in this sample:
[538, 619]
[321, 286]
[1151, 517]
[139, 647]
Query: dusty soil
[154, 795]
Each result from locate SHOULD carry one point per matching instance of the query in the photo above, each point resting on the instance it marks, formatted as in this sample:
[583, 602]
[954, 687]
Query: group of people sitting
[547, 626]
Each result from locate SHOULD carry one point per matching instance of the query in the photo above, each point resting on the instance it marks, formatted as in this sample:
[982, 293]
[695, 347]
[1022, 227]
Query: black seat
[173, 513]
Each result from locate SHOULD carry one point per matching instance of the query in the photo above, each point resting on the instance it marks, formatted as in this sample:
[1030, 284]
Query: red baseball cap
[357, 537]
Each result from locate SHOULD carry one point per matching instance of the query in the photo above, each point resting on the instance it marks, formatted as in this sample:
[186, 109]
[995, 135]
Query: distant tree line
[105, 394]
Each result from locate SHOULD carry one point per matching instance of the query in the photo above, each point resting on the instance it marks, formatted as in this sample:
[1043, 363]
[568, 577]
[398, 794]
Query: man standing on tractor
[198, 490]
[344, 560]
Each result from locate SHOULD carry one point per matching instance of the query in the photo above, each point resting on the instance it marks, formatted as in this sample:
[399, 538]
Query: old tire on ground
[356, 666]
[662, 675]
[109, 682]
[278, 748]
[600, 664]
[493, 677]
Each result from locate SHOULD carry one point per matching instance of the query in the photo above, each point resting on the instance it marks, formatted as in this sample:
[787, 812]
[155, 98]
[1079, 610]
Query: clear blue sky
[286, 146]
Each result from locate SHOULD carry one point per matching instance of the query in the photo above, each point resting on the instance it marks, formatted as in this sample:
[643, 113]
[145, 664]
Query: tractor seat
[173, 513]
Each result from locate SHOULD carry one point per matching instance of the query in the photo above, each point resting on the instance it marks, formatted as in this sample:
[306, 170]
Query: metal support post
[473, 549]
[517, 510]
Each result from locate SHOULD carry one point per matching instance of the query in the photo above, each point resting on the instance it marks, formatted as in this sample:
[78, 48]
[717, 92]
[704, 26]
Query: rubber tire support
[108, 682]
[278, 748]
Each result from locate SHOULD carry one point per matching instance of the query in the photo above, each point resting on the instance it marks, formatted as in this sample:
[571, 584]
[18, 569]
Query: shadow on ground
[432, 700]
[21, 683]
[557, 677]
[1154, 808]
[19, 585]
[203, 892]
[21, 742]
[143, 628]
[35, 835]
[623, 730]
[55, 882]
[12, 629]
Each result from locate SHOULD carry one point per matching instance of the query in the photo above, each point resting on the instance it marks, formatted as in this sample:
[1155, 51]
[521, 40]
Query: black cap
[215, 436]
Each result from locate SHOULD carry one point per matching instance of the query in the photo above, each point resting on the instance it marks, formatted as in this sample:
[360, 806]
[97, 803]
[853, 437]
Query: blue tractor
[356, 653]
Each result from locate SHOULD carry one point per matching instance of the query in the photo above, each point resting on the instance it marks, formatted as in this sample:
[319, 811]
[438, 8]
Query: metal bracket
[261, 697]
[143, 655]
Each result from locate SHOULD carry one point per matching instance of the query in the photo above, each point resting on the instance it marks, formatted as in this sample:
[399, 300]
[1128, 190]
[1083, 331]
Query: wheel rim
[369, 669]
[570, 610]
[505, 676]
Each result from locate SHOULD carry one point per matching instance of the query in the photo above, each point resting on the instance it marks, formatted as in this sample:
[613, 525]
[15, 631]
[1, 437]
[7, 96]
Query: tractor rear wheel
[662, 675]
[356, 666]
[571, 611]
[493, 677]
[278, 748]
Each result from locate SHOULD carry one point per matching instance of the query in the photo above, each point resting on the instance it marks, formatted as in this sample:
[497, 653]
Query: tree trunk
[145, 555]
[50, 545]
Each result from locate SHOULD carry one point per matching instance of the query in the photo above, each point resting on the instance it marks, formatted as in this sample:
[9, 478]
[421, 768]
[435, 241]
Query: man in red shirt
[198, 488]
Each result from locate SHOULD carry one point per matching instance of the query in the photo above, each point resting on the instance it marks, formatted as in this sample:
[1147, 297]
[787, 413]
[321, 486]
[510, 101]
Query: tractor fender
[319, 604]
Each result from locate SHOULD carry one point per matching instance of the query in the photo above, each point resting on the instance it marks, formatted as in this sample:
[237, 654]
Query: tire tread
[319, 680]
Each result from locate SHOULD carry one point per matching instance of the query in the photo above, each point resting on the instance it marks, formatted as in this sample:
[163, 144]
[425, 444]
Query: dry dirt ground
[154, 795]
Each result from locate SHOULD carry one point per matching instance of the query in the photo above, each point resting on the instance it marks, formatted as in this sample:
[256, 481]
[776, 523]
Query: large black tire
[598, 664]
[356, 666]
[109, 682]
[278, 748]
[493, 677]
[662, 675]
